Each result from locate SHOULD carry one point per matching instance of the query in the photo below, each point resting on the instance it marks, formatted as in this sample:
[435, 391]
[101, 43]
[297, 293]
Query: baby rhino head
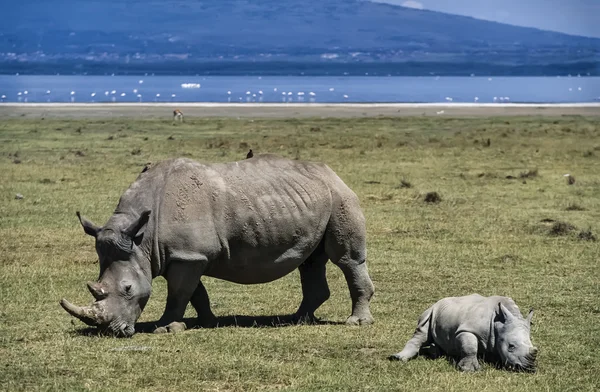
[513, 342]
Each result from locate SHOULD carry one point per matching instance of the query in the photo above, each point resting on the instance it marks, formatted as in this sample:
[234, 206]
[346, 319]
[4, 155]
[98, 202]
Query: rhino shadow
[432, 353]
[240, 321]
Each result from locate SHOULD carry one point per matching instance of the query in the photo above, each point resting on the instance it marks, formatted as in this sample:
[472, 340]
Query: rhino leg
[350, 258]
[345, 244]
[467, 343]
[200, 302]
[315, 290]
[182, 281]
[420, 338]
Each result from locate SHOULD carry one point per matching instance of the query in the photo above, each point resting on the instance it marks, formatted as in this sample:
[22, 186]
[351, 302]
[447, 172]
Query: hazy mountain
[291, 35]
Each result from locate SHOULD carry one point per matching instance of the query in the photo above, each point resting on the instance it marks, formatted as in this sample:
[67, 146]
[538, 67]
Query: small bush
[574, 207]
[561, 228]
[432, 197]
[404, 184]
[586, 235]
[529, 173]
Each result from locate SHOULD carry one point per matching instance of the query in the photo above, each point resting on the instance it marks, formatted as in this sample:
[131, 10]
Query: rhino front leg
[420, 338]
[315, 289]
[182, 281]
[200, 302]
[467, 343]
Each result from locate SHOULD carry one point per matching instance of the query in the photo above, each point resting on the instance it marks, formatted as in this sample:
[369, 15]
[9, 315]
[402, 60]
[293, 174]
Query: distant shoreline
[284, 110]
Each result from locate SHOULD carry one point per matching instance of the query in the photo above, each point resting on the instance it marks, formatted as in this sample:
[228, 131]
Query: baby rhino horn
[97, 290]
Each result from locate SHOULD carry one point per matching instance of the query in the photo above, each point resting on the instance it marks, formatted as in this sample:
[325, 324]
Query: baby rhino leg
[467, 342]
[420, 338]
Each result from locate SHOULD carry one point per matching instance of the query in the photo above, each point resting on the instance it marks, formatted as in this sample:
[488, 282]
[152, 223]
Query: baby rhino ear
[530, 316]
[503, 313]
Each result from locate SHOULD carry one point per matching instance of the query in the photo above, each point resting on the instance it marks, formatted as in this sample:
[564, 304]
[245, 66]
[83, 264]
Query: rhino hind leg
[315, 289]
[468, 345]
[419, 339]
[345, 245]
[200, 302]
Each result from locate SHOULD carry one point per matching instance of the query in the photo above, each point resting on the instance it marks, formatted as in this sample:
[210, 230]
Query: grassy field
[489, 234]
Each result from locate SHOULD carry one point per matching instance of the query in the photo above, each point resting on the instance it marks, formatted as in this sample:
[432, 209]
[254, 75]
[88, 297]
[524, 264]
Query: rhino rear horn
[97, 290]
[88, 227]
[138, 226]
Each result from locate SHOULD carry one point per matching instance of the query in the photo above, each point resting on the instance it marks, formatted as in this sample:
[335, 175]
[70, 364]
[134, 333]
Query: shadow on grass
[240, 321]
[431, 353]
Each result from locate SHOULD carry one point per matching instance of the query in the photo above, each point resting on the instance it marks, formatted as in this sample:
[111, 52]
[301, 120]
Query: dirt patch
[508, 258]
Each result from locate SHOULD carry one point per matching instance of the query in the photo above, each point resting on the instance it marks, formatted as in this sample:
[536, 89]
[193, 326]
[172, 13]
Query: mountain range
[276, 37]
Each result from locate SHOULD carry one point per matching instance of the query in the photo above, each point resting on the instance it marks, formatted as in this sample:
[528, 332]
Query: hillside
[150, 34]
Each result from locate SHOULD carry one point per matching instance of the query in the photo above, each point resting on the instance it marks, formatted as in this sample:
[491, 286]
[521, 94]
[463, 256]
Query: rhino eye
[128, 288]
[511, 347]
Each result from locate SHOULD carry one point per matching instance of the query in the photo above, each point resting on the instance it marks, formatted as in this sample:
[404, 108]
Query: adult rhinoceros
[248, 222]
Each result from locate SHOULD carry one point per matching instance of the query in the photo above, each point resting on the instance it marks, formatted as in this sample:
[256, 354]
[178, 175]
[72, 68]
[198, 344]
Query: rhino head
[513, 343]
[124, 285]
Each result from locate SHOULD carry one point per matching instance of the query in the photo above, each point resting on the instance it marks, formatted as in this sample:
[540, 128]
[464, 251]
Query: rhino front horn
[84, 314]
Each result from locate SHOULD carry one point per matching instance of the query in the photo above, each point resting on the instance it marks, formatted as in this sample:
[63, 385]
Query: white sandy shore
[281, 110]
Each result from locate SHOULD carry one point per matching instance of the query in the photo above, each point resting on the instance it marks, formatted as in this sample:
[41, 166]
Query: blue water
[14, 88]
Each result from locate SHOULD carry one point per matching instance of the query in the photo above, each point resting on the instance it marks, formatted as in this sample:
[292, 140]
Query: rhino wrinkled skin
[248, 222]
[474, 326]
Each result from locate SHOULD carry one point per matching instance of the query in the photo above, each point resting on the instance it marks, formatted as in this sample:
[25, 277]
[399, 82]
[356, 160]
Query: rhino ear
[88, 227]
[504, 313]
[530, 316]
[138, 227]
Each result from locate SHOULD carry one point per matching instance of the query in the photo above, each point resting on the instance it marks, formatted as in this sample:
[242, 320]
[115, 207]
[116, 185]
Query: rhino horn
[84, 314]
[97, 290]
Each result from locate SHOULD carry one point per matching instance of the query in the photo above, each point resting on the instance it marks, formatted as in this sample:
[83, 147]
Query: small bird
[250, 154]
[570, 179]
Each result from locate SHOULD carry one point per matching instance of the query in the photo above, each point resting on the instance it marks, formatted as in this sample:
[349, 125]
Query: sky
[579, 17]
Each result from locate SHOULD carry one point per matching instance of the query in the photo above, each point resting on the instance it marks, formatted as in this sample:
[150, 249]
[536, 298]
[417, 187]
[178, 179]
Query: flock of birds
[249, 96]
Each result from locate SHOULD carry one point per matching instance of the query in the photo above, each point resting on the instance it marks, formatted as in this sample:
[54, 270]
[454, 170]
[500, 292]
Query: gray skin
[248, 222]
[474, 326]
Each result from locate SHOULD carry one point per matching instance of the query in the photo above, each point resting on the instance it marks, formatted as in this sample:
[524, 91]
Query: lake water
[14, 88]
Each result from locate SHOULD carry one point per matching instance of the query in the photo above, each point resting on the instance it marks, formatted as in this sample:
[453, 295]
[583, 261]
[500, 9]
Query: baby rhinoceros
[474, 326]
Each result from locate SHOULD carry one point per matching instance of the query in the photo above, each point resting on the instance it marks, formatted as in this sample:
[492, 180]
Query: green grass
[485, 236]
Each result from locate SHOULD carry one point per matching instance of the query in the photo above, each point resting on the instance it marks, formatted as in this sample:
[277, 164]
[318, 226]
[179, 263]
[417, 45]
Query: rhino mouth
[527, 365]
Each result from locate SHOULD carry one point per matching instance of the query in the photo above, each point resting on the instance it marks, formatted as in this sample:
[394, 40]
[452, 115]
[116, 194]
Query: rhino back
[254, 220]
